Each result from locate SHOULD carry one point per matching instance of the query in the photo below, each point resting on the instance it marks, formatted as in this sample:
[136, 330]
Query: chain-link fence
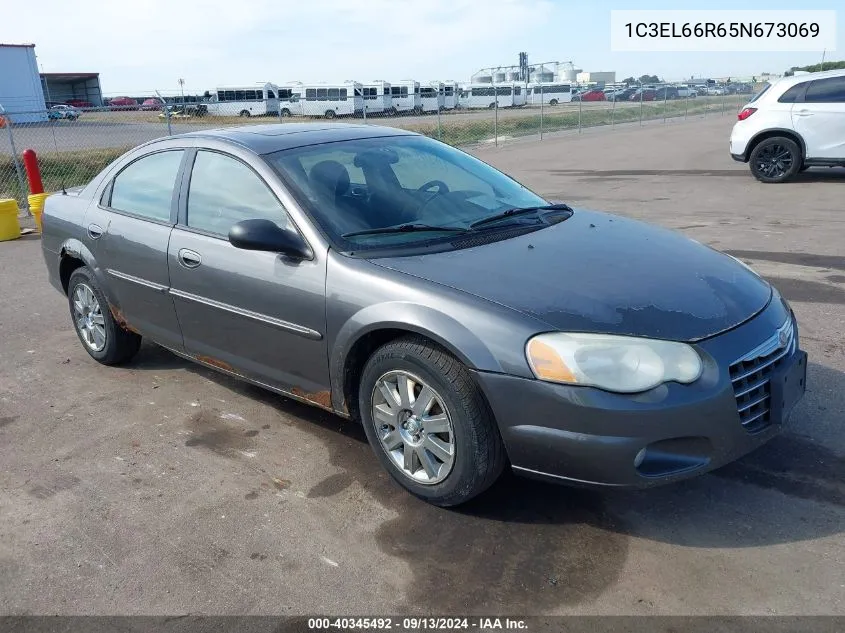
[74, 144]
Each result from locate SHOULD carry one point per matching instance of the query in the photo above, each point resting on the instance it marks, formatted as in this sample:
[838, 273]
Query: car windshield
[357, 190]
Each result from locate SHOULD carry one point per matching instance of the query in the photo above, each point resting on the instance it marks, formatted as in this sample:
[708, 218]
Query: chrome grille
[751, 377]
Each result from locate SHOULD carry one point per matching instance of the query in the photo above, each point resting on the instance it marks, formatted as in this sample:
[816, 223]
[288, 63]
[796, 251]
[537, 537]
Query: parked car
[79, 103]
[792, 124]
[716, 91]
[665, 93]
[643, 95]
[123, 103]
[151, 104]
[425, 310]
[687, 92]
[590, 95]
[621, 95]
[62, 111]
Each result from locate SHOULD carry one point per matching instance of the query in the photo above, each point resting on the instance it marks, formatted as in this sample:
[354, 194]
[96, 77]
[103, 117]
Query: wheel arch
[774, 132]
[377, 325]
[74, 254]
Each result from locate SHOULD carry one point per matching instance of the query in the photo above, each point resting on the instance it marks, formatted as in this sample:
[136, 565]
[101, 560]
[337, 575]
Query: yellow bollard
[10, 228]
[36, 207]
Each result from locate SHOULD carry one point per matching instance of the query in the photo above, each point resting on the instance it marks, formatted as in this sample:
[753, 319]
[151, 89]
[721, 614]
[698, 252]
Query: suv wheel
[427, 422]
[775, 159]
[101, 336]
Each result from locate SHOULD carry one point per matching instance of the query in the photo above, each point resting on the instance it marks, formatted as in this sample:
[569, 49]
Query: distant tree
[814, 68]
[649, 79]
[629, 80]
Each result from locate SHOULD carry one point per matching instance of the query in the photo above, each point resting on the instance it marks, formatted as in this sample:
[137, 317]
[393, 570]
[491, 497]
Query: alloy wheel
[88, 317]
[774, 161]
[413, 426]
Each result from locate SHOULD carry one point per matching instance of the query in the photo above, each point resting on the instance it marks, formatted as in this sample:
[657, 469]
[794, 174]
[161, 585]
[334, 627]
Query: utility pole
[182, 88]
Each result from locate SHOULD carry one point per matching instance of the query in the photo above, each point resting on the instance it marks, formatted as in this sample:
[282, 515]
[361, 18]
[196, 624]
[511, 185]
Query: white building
[21, 94]
[601, 78]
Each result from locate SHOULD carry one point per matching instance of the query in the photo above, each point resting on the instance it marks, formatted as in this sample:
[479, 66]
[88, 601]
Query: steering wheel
[442, 187]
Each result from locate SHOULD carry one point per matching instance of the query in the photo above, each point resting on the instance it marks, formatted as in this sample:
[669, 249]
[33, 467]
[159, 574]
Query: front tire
[101, 336]
[776, 159]
[330, 114]
[427, 422]
[245, 114]
[285, 113]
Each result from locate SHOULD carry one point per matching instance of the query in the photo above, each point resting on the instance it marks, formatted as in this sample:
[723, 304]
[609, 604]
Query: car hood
[597, 272]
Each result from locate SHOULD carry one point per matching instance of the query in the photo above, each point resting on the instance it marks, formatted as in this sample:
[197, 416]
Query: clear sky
[141, 45]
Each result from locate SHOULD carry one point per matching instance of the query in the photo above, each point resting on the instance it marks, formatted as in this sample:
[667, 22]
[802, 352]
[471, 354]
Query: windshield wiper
[414, 227]
[509, 213]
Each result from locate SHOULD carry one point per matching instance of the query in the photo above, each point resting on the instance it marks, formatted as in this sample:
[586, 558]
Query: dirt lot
[164, 488]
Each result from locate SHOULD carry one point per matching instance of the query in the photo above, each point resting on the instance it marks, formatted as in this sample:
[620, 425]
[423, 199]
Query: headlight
[616, 363]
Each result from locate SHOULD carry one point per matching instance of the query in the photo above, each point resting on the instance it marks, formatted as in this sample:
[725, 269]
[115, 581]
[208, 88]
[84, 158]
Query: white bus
[377, 96]
[255, 100]
[488, 95]
[520, 94]
[290, 103]
[432, 97]
[451, 91]
[405, 96]
[549, 93]
[328, 100]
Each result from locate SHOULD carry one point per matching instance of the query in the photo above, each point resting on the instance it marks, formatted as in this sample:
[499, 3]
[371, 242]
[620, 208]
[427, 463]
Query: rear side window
[830, 90]
[793, 94]
[224, 191]
[762, 91]
[145, 187]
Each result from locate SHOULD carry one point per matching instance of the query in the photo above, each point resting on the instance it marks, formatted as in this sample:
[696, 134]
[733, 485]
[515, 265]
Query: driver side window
[414, 169]
[223, 191]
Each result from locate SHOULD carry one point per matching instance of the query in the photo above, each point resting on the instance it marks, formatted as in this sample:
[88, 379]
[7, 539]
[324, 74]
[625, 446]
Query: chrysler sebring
[469, 324]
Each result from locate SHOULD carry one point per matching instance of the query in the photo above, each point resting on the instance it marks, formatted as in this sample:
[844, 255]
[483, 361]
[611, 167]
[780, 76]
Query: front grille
[751, 377]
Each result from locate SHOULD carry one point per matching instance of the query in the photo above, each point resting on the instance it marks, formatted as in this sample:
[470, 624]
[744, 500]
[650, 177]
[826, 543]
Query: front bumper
[586, 436]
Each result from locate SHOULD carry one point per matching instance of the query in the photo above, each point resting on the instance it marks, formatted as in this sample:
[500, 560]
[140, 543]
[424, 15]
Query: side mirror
[264, 235]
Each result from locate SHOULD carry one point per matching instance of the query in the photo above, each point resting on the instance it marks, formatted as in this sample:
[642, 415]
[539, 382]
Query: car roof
[264, 139]
[788, 82]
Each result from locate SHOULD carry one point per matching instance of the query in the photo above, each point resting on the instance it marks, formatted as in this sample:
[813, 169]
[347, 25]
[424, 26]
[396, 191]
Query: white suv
[791, 124]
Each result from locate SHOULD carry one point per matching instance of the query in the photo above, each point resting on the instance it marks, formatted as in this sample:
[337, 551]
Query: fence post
[168, 114]
[365, 110]
[641, 103]
[542, 98]
[613, 110]
[724, 98]
[18, 168]
[439, 128]
[665, 98]
[580, 105]
[496, 119]
[686, 105]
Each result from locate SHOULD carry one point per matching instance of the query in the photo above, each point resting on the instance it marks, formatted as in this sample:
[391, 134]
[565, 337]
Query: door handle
[189, 259]
[804, 113]
[95, 231]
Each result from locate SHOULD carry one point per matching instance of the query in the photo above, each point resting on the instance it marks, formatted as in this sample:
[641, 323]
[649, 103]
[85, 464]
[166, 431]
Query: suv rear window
[793, 94]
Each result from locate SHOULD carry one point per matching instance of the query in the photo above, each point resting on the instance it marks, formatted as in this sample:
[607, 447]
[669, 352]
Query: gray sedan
[469, 324]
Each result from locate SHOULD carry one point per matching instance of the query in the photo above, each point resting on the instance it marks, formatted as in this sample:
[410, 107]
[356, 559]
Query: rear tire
[456, 419]
[98, 331]
[244, 113]
[776, 159]
[553, 102]
[330, 114]
[285, 113]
